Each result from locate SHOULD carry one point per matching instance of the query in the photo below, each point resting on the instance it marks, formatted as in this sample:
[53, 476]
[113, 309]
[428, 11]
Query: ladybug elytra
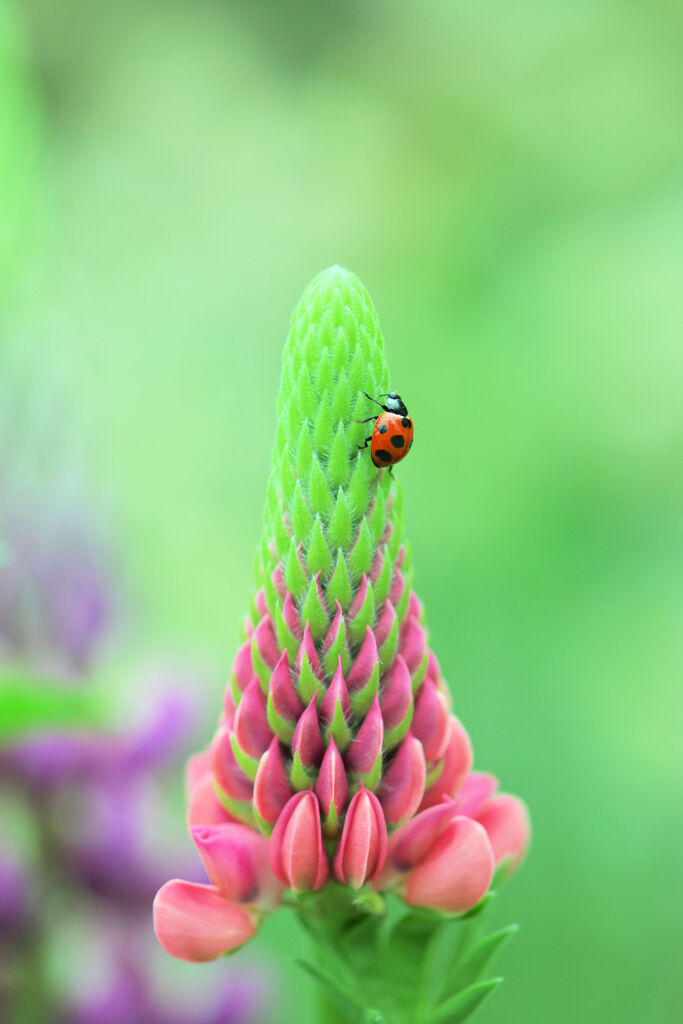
[392, 435]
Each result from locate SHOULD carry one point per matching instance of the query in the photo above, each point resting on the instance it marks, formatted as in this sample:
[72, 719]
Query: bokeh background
[507, 181]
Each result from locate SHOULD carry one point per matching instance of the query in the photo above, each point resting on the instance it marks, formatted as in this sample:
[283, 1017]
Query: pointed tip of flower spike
[508, 826]
[362, 849]
[272, 788]
[297, 854]
[403, 782]
[196, 923]
[456, 873]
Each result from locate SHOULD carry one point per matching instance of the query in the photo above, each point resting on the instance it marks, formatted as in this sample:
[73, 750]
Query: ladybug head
[395, 404]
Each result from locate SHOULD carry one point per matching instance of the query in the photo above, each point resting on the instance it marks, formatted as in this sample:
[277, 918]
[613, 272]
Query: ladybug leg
[374, 400]
[367, 442]
[370, 419]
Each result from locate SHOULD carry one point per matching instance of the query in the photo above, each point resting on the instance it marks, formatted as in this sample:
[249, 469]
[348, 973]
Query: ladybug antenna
[373, 399]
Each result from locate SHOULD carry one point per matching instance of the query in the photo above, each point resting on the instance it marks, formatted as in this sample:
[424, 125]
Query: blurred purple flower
[14, 888]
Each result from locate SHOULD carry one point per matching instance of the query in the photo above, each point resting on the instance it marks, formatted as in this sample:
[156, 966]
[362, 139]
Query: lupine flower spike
[339, 779]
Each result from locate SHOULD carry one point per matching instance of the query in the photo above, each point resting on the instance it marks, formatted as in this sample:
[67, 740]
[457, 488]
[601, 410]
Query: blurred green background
[507, 181]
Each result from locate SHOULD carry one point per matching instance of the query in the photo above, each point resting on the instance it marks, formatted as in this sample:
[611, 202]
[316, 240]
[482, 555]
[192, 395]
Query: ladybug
[392, 436]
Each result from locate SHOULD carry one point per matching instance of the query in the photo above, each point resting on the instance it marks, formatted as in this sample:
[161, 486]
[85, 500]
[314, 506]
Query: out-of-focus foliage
[506, 179]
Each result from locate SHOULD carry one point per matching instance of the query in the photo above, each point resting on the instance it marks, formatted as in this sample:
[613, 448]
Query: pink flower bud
[308, 648]
[397, 695]
[413, 644]
[260, 602]
[196, 923]
[196, 766]
[337, 693]
[411, 843]
[204, 807]
[359, 599]
[226, 771]
[362, 848]
[271, 785]
[457, 871]
[431, 721]
[366, 660]
[251, 727]
[397, 587]
[385, 622]
[236, 861]
[291, 617]
[266, 642]
[285, 698]
[243, 667]
[332, 787]
[403, 782]
[336, 626]
[307, 739]
[456, 763]
[366, 749]
[507, 824]
[297, 854]
[476, 790]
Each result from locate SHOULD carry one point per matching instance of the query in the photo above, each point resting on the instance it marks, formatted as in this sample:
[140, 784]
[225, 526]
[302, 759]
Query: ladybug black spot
[384, 456]
[406, 422]
[398, 441]
[382, 428]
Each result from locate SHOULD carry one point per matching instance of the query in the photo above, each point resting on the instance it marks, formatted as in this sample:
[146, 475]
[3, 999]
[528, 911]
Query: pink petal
[291, 617]
[362, 848]
[285, 698]
[413, 644]
[507, 823]
[204, 806]
[431, 721]
[476, 790]
[226, 770]
[332, 786]
[412, 842]
[272, 789]
[457, 873]
[397, 694]
[337, 693]
[195, 767]
[365, 662]
[297, 854]
[266, 642]
[307, 739]
[403, 782]
[385, 622]
[457, 762]
[251, 728]
[194, 922]
[362, 755]
[308, 648]
[243, 667]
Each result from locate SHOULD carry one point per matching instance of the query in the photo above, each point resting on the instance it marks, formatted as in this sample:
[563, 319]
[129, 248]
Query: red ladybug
[392, 436]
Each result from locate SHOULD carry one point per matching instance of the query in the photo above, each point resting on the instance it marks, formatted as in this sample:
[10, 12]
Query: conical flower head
[334, 690]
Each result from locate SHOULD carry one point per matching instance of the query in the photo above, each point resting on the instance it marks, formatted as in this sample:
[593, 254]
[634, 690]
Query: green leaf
[345, 998]
[460, 1007]
[478, 960]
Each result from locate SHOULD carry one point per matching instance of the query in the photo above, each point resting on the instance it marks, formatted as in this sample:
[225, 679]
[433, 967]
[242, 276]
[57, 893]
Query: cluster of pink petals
[444, 857]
